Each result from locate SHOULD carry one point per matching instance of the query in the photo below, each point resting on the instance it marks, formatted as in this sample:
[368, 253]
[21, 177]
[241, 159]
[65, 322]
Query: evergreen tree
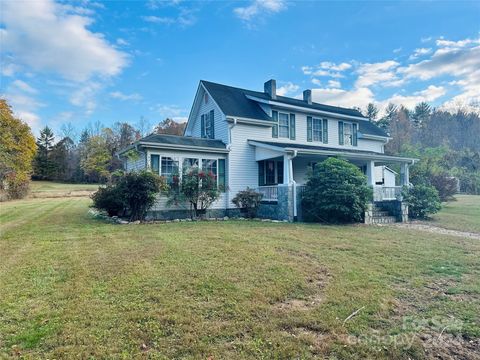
[372, 112]
[390, 113]
[44, 167]
[421, 114]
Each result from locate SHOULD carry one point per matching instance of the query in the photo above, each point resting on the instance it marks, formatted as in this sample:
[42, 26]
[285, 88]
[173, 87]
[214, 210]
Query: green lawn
[44, 189]
[462, 214]
[75, 287]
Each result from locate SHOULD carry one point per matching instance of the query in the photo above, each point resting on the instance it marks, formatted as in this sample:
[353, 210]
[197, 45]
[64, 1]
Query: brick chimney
[307, 96]
[270, 88]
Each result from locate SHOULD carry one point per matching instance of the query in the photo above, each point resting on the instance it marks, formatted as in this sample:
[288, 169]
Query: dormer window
[206, 98]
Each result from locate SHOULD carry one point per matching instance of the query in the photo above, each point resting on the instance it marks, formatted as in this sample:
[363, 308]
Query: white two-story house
[267, 142]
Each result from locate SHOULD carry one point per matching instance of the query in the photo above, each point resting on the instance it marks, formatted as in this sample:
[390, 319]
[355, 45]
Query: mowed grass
[462, 214]
[75, 287]
[48, 189]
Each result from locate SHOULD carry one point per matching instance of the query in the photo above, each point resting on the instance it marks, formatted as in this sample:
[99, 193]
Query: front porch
[282, 174]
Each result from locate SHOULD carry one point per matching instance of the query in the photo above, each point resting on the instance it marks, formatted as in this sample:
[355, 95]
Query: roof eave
[306, 109]
[183, 147]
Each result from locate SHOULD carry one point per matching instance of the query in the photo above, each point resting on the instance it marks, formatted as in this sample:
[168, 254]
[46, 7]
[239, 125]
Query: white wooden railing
[270, 193]
[386, 193]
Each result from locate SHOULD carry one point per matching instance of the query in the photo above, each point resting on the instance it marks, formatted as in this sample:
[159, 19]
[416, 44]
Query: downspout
[294, 184]
[229, 146]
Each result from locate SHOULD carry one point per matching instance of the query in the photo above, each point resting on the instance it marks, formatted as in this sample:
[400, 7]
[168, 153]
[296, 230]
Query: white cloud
[334, 84]
[357, 97]
[122, 42]
[173, 112]
[381, 72]
[51, 37]
[124, 97]
[431, 93]
[32, 119]
[335, 67]
[287, 89]
[22, 85]
[9, 69]
[259, 7]
[426, 39]
[158, 19]
[420, 52]
[397, 50]
[316, 82]
[84, 97]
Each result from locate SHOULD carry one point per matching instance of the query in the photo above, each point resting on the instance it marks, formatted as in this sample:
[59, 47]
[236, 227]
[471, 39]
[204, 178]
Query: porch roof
[303, 149]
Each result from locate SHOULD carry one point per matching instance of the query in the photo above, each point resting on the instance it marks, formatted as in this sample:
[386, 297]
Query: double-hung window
[317, 129]
[207, 125]
[283, 125]
[169, 169]
[347, 134]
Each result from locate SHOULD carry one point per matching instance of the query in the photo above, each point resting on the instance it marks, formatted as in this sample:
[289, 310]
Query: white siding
[221, 125]
[135, 165]
[301, 136]
[242, 167]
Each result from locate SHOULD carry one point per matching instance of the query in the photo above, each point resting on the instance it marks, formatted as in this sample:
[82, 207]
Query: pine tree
[44, 166]
[421, 114]
[372, 112]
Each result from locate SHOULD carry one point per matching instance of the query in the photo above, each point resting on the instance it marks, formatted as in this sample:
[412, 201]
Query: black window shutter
[212, 125]
[309, 128]
[275, 125]
[292, 126]
[340, 133]
[202, 125]
[325, 131]
[355, 133]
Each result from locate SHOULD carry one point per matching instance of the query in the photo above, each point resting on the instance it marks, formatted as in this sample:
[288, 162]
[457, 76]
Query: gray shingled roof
[234, 102]
[183, 140]
[314, 147]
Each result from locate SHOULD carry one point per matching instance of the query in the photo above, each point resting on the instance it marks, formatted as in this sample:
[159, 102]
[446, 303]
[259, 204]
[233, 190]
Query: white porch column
[286, 169]
[371, 173]
[404, 174]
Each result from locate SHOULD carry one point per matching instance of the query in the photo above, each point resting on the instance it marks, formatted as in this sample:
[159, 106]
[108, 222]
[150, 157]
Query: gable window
[283, 125]
[207, 125]
[169, 169]
[317, 129]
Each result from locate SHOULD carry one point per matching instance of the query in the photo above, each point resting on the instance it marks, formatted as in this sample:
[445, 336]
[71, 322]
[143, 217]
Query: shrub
[134, 192]
[198, 188]
[109, 199]
[139, 190]
[422, 201]
[248, 201]
[336, 191]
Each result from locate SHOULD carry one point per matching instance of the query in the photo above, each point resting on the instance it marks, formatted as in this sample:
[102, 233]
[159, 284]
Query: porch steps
[382, 215]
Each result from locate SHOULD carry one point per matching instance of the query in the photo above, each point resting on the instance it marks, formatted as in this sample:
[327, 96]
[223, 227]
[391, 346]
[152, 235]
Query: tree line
[93, 159]
[446, 143]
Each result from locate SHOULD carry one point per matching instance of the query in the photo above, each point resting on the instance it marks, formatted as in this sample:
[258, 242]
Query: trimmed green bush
[422, 200]
[336, 192]
[110, 200]
[248, 201]
[133, 193]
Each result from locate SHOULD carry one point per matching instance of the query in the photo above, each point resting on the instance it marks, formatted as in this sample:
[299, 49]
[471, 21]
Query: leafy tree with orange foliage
[17, 150]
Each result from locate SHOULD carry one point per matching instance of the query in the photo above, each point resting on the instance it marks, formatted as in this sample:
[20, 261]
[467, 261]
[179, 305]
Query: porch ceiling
[311, 151]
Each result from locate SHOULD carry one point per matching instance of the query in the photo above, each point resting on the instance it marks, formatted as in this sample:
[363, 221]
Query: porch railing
[387, 193]
[270, 193]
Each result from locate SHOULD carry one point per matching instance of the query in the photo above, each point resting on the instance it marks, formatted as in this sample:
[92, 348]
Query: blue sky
[84, 61]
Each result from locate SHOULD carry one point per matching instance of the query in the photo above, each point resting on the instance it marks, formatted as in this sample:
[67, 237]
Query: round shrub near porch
[336, 192]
